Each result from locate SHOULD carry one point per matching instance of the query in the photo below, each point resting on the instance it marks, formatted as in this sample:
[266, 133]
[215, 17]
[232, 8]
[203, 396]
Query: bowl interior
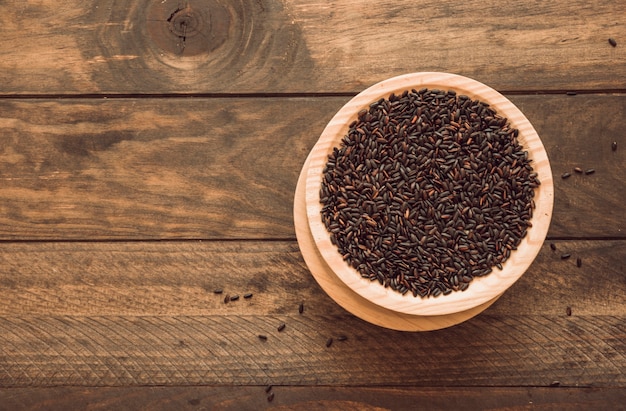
[481, 289]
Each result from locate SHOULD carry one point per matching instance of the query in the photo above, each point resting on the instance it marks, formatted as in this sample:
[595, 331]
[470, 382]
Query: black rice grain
[565, 175]
[565, 256]
[281, 327]
[568, 311]
[553, 246]
[612, 42]
[301, 308]
[425, 186]
[234, 297]
[247, 295]
[614, 146]
[262, 337]
[329, 342]
[579, 262]
[270, 397]
[590, 171]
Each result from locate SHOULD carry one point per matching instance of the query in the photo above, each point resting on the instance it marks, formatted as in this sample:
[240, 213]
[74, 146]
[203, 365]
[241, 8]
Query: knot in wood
[198, 27]
[185, 22]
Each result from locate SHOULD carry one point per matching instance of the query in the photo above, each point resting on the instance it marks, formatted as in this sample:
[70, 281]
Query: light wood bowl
[482, 289]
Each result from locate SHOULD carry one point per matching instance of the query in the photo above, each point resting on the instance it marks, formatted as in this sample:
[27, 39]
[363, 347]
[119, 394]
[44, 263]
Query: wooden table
[149, 155]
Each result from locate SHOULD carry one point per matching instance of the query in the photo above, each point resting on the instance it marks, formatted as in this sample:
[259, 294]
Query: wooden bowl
[482, 289]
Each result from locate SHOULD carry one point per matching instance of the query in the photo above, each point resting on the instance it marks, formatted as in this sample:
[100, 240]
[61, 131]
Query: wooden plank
[178, 168]
[225, 350]
[219, 168]
[575, 135]
[551, 284]
[274, 46]
[311, 398]
[179, 278]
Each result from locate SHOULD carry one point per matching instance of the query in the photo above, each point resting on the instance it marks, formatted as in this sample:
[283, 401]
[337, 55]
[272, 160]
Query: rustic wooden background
[149, 153]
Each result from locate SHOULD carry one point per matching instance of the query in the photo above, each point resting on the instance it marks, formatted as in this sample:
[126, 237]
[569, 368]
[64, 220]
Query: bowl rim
[481, 289]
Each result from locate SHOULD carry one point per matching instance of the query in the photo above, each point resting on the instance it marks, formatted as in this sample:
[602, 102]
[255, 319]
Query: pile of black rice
[428, 190]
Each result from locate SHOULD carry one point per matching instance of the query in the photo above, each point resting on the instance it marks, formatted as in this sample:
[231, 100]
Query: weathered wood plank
[271, 46]
[178, 278]
[227, 167]
[177, 168]
[311, 398]
[225, 350]
[551, 284]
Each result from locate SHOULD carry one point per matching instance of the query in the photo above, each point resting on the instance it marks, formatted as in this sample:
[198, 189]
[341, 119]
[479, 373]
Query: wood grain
[225, 350]
[219, 168]
[178, 279]
[140, 46]
[151, 168]
[311, 398]
[272, 46]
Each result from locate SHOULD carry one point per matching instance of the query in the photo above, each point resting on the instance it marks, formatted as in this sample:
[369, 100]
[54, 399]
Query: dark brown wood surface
[276, 46]
[149, 154]
[314, 398]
